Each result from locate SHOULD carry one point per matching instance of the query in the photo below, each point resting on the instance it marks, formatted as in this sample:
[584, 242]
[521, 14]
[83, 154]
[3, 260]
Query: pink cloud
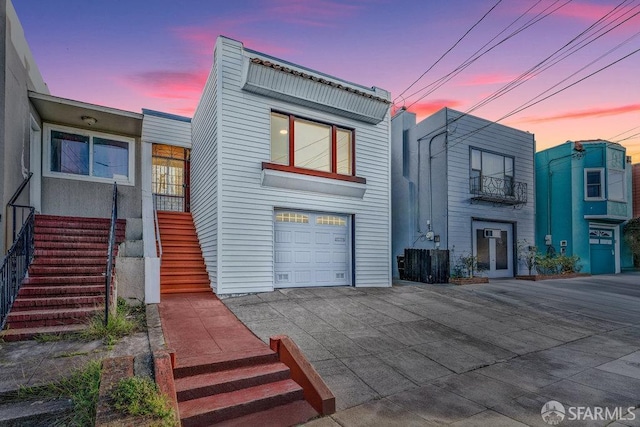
[584, 11]
[185, 85]
[581, 114]
[424, 109]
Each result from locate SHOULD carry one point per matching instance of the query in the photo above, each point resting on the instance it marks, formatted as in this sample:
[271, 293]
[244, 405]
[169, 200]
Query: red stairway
[182, 266]
[224, 374]
[66, 280]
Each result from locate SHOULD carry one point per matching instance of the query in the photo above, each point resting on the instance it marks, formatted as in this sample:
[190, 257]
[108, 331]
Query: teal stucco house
[583, 198]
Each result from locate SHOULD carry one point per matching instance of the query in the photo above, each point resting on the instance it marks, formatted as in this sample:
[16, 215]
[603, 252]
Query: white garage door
[311, 249]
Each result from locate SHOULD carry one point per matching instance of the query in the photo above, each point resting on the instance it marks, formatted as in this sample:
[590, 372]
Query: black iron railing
[112, 240]
[498, 190]
[18, 258]
[15, 265]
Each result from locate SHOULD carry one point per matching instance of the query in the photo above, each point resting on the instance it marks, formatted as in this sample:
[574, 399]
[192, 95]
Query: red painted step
[224, 361]
[22, 304]
[207, 384]
[50, 317]
[224, 406]
[182, 267]
[66, 281]
[292, 414]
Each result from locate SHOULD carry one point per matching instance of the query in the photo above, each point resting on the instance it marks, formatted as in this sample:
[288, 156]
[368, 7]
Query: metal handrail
[12, 204]
[15, 266]
[112, 236]
[157, 227]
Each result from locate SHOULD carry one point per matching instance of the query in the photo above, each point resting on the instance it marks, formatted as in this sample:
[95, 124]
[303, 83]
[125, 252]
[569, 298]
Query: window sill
[311, 172]
[291, 178]
[86, 178]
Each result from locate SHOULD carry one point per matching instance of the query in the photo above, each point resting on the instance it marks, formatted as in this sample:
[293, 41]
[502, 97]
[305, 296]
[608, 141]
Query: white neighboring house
[465, 184]
[290, 176]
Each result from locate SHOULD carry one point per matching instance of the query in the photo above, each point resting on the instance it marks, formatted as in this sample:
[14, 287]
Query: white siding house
[290, 176]
[464, 184]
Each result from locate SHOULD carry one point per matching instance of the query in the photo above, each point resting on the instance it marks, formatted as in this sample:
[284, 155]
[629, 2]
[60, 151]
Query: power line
[448, 50]
[480, 52]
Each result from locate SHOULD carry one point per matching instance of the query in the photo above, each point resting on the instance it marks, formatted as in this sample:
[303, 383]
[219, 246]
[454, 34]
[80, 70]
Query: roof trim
[86, 105]
[147, 112]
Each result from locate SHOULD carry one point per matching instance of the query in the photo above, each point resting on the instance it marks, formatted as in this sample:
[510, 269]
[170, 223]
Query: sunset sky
[134, 54]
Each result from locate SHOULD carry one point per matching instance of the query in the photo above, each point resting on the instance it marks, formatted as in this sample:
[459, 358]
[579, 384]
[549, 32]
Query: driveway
[490, 354]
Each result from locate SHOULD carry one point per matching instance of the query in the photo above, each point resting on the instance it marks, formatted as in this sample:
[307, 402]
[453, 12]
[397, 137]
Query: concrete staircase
[182, 267]
[246, 388]
[65, 284]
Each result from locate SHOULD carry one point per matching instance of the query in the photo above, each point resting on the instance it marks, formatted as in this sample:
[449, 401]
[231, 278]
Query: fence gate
[426, 265]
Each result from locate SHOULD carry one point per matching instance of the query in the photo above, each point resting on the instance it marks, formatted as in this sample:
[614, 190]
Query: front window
[490, 171]
[85, 155]
[615, 185]
[593, 184]
[310, 145]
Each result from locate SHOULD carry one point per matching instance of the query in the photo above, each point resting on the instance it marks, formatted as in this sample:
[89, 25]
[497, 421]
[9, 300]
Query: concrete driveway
[474, 355]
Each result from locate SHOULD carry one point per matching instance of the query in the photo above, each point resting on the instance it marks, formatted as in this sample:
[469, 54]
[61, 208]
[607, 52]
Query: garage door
[311, 249]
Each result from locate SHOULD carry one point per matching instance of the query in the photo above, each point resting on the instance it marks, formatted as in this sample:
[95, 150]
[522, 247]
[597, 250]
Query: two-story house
[289, 176]
[465, 184]
[583, 196]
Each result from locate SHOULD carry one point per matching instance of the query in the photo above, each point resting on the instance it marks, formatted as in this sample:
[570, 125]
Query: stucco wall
[70, 197]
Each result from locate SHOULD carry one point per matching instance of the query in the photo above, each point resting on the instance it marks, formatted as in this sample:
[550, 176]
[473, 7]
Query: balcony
[498, 190]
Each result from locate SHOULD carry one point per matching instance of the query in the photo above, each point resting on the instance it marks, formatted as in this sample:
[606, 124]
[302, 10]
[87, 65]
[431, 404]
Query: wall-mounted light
[89, 121]
[283, 132]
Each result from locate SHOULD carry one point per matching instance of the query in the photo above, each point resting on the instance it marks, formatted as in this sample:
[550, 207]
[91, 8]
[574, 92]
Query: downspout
[430, 175]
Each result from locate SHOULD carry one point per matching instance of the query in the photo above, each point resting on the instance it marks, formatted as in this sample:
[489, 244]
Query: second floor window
[306, 144]
[593, 182]
[491, 172]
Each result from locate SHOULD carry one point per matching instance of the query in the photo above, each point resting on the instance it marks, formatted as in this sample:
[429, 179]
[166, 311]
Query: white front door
[493, 247]
[311, 249]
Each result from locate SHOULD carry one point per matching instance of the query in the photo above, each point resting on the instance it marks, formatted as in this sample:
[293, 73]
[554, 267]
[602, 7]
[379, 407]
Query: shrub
[561, 264]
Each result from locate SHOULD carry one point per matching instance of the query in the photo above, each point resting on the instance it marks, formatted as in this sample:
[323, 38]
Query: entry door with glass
[170, 178]
[493, 247]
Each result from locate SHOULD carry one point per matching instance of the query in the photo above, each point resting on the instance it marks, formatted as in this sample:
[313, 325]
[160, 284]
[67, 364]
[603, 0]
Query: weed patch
[139, 396]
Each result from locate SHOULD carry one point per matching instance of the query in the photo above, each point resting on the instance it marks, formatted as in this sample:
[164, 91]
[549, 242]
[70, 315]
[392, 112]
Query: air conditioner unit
[490, 233]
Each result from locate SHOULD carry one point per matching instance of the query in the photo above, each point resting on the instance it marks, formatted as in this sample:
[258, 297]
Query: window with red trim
[305, 144]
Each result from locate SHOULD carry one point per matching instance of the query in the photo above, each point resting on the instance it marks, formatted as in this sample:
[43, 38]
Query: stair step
[70, 239]
[198, 386]
[182, 263]
[44, 244]
[72, 252]
[185, 290]
[26, 304]
[223, 361]
[52, 317]
[182, 280]
[29, 333]
[224, 406]
[189, 273]
[64, 261]
[84, 270]
[65, 280]
[292, 414]
[53, 291]
[39, 229]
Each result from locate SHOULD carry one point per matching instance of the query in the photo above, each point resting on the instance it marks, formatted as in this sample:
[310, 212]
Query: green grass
[81, 387]
[125, 321]
[138, 396]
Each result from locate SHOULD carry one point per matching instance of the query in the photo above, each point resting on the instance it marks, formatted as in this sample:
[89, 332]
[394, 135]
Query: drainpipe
[430, 176]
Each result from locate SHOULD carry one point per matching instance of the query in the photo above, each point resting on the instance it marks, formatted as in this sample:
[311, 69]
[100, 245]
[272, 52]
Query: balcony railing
[498, 190]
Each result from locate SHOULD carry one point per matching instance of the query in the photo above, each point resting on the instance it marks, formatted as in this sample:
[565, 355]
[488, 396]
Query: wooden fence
[424, 265]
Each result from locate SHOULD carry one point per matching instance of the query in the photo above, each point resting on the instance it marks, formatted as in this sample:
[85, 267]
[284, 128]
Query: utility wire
[448, 50]
[480, 52]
